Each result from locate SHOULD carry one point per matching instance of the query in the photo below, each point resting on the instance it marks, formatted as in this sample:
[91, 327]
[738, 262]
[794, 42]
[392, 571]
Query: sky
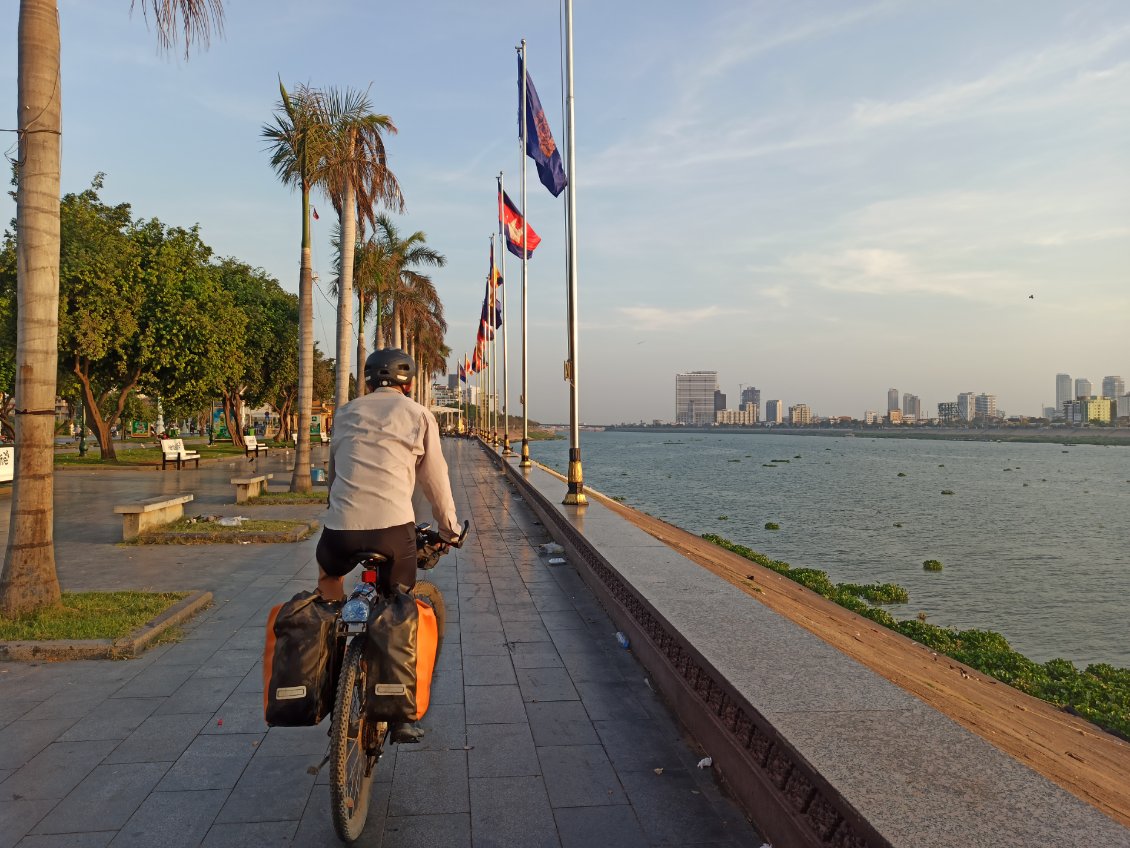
[820, 199]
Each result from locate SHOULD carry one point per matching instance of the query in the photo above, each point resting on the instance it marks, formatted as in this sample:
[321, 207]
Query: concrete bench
[251, 446]
[247, 488]
[172, 450]
[7, 464]
[152, 512]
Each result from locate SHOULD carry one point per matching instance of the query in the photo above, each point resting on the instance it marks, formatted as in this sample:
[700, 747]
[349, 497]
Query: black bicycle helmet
[389, 367]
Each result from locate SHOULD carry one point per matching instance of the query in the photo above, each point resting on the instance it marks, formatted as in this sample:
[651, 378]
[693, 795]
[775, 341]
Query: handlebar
[430, 546]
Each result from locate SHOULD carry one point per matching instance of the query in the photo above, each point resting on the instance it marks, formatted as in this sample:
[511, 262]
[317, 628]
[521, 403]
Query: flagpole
[525, 461]
[493, 345]
[576, 491]
[505, 324]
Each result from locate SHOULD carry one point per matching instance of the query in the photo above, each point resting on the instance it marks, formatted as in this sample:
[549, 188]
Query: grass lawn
[89, 615]
[270, 525]
[186, 532]
[316, 496]
[145, 455]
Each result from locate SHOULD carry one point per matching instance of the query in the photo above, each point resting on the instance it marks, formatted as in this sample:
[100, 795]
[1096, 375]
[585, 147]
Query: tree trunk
[28, 580]
[300, 480]
[345, 294]
[397, 341]
[360, 346]
[233, 415]
[94, 419]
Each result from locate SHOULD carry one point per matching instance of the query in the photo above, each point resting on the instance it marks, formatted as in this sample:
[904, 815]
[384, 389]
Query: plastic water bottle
[622, 639]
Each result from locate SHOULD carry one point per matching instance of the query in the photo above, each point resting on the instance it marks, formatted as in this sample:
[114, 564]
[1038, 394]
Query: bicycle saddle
[367, 558]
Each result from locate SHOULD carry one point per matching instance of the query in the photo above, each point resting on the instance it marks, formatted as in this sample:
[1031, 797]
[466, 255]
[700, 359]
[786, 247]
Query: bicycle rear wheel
[425, 590]
[351, 773]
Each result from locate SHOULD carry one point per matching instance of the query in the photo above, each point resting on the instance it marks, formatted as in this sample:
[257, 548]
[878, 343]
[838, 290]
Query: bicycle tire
[428, 591]
[349, 787]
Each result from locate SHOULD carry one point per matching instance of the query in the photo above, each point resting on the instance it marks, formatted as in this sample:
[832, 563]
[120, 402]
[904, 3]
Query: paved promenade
[542, 730]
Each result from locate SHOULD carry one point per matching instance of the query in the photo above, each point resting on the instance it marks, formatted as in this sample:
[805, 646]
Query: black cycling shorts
[337, 547]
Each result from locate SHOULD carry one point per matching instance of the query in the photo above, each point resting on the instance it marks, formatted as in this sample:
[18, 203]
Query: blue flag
[539, 140]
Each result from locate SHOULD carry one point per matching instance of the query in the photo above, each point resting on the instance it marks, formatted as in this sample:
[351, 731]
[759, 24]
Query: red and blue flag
[539, 140]
[515, 227]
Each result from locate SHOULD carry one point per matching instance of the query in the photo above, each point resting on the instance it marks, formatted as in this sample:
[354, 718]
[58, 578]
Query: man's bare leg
[331, 588]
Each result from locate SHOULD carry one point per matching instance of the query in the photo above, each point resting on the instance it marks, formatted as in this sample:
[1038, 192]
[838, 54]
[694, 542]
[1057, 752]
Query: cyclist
[384, 444]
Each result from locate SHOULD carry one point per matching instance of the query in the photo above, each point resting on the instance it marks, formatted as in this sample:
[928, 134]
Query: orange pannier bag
[400, 657]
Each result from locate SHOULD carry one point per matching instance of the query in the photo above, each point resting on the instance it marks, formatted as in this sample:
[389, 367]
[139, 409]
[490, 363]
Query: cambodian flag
[539, 140]
[462, 373]
[514, 225]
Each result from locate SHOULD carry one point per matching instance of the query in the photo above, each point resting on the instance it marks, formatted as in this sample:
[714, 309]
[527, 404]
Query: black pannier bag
[299, 664]
[400, 656]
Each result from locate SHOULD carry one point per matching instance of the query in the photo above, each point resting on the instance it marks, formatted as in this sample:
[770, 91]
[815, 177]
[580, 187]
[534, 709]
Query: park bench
[172, 450]
[314, 440]
[152, 512]
[251, 445]
[7, 464]
[247, 488]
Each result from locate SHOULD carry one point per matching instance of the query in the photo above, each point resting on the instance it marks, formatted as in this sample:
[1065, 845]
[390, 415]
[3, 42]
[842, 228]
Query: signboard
[219, 425]
[138, 429]
[315, 425]
[7, 464]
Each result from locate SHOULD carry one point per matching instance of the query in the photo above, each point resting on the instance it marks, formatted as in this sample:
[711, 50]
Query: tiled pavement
[542, 730]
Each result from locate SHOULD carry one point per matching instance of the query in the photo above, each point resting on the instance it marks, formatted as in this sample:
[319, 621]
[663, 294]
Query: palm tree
[297, 143]
[369, 269]
[406, 289]
[28, 579]
[354, 174]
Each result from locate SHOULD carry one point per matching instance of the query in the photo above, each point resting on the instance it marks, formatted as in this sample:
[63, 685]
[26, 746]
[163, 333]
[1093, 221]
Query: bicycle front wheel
[351, 772]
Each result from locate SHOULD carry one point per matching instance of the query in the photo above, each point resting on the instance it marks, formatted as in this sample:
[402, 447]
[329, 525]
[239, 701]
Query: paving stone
[312, 742]
[591, 665]
[494, 705]
[17, 817]
[12, 707]
[56, 770]
[22, 740]
[483, 642]
[609, 701]
[546, 684]
[270, 789]
[231, 663]
[240, 713]
[444, 729]
[501, 750]
[114, 718]
[250, 834]
[73, 700]
[525, 631]
[561, 723]
[447, 686]
[211, 762]
[199, 695]
[670, 811]
[488, 670]
[105, 799]
[98, 839]
[515, 612]
[429, 782]
[160, 739]
[638, 744]
[171, 820]
[509, 811]
[157, 681]
[194, 651]
[450, 830]
[535, 655]
[579, 776]
[586, 827]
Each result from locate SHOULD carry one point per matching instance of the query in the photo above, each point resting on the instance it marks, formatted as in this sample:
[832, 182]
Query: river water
[1033, 539]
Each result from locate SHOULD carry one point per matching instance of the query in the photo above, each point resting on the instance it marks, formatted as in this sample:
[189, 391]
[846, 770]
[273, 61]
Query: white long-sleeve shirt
[384, 443]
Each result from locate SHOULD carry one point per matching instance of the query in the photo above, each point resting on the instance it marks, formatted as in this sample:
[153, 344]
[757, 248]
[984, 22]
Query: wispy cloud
[651, 318]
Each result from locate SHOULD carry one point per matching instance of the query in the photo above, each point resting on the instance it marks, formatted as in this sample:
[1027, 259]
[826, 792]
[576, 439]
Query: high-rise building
[966, 406]
[1062, 391]
[892, 399]
[985, 406]
[453, 381]
[1113, 387]
[746, 416]
[1122, 406]
[719, 400]
[694, 398]
[751, 394]
[911, 407]
[774, 411]
[800, 414]
[947, 412]
[751, 408]
[1082, 388]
